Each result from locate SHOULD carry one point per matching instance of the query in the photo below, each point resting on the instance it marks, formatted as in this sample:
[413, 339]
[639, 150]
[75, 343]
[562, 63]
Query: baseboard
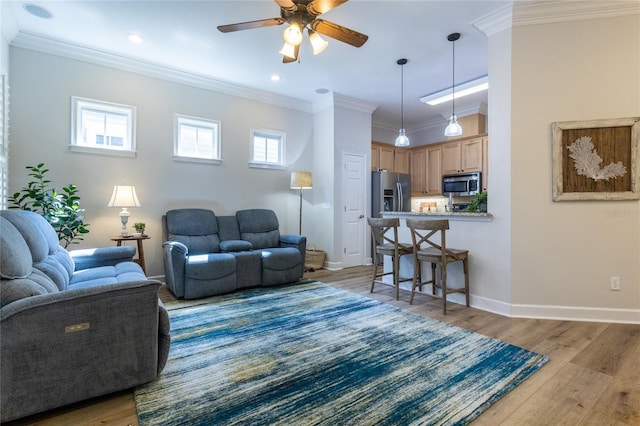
[574, 313]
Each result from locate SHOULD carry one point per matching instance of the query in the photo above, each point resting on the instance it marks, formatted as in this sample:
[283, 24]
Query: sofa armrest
[296, 241]
[103, 256]
[64, 347]
[231, 246]
[175, 254]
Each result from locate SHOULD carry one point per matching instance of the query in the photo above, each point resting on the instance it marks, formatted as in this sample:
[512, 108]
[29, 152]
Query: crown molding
[40, 43]
[337, 99]
[547, 12]
[495, 22]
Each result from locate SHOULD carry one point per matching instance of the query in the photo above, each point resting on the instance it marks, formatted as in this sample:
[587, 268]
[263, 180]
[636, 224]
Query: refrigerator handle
[400, 196]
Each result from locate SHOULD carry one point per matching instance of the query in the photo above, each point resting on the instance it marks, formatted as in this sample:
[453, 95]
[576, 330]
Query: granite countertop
[452, 215]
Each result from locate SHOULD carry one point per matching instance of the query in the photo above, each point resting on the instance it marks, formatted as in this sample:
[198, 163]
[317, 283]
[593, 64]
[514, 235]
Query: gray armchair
[73, 327]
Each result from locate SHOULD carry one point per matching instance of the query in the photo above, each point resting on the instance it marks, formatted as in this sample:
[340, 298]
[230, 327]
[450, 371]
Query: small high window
[267, 149]
[102, 127]
[196, 139]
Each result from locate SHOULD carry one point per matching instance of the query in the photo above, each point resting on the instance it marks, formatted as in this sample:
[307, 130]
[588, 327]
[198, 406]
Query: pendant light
[453, 129]
[402, 139]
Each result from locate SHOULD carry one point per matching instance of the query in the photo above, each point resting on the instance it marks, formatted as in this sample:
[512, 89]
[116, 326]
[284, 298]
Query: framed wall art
[596, 159]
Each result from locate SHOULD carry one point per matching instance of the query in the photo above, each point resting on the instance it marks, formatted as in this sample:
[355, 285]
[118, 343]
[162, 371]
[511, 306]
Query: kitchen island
[467, 230]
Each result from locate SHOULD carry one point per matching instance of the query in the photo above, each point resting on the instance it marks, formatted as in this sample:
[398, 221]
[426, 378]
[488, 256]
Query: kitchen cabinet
[434, 170]
[419, 171]
[387, 157]
[426, 171]
[462, 156]
[401, 161]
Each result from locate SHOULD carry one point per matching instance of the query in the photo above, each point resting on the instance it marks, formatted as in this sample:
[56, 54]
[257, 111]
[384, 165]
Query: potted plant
[61, 209]
[139, 227]
[478, 203]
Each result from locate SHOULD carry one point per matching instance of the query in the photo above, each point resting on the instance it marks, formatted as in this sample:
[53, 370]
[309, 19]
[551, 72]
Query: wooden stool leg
[465, 264]
[375, 271]
[416, 280]
[444, 288]
[396, 275]
[433, 278]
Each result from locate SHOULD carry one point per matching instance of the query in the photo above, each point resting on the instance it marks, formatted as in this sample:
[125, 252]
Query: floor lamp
[301, 180]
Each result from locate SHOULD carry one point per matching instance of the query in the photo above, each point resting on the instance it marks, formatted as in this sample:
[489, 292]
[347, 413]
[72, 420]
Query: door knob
[361, 216]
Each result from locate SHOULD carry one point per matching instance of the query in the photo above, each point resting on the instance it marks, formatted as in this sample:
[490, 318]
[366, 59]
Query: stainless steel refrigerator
[390, 192]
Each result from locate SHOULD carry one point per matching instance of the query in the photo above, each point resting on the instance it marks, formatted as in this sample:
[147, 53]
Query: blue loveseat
[205, 254]
[74, 325]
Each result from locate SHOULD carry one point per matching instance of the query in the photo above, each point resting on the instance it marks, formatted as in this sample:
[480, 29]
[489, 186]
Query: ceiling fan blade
[250, 25]
[339, 32]
[318, 7]
[287, 5]
[286, 59]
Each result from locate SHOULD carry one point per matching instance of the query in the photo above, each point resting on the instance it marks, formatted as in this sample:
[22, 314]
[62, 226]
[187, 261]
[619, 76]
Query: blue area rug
[312, 354]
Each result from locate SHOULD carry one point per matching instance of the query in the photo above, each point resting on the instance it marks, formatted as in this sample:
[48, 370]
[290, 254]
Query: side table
[140, 260]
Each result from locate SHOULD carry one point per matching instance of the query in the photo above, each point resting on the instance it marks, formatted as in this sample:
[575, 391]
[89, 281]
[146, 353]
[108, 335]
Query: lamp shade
[124, 196]
[301, 180]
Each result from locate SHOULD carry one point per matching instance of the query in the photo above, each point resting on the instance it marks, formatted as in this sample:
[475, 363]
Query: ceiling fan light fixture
[317, 42]
[288, 50]
[292, 34]
[453, 129]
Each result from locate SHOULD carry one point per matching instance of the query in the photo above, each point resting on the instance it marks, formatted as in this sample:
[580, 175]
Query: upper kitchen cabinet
[426, 171]
[463, 156]
[387, 157]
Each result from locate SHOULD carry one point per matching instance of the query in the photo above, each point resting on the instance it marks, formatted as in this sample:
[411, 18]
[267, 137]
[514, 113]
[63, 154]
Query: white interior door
[354, 221]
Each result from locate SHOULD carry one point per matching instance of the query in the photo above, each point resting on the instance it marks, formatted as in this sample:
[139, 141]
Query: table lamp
[124, 196]
[301, 180]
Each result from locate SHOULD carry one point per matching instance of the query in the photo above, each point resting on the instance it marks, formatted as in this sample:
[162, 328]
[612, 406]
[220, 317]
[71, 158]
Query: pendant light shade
[453, 129]
[402, 139]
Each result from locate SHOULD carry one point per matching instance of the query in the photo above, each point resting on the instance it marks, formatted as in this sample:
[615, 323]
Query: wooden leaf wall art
[596, 160]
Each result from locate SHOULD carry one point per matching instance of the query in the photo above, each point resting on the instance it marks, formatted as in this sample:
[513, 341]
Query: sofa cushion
[260, 227]
[15, 257]
[34, 284]
[195, 228]
[44, 246]
[120, 273]
[228, 228]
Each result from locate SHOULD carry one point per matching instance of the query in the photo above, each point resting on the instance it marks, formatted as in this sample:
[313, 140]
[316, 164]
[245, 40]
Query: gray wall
[41, 90]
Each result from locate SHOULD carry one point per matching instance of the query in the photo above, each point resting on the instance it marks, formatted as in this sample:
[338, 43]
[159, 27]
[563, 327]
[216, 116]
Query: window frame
[215, 125]
[269, 133]
[79, 104]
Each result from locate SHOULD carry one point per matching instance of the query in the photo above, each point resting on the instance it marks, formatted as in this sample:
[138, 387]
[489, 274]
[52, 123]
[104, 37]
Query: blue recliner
[205, 254]
[75, 325]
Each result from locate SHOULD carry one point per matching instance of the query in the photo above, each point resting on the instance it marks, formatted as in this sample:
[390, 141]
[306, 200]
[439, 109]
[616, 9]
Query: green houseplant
[61, 209]
[478, 203]
[139, 227]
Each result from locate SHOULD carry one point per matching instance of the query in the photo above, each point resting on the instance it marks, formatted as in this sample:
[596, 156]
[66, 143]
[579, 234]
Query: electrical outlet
[614, 283]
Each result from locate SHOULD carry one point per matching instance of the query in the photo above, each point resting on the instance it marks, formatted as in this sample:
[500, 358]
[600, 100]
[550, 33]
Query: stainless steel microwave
[462, 184]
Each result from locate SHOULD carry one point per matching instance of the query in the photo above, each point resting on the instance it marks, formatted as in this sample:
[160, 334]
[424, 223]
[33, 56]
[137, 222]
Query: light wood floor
[592, 378]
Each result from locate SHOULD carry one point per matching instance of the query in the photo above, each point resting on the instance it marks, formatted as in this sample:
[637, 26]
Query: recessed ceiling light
[37, 11]
[135, 38]
[275, 77]
[322, 91]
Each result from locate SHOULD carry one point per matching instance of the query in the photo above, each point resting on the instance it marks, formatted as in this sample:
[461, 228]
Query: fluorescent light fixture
[464, 89]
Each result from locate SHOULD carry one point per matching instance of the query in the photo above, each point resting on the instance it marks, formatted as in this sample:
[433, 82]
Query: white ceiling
[182, 35]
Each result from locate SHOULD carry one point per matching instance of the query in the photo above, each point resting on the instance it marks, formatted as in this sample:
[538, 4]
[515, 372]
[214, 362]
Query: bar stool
[386, 245]
[424, 233]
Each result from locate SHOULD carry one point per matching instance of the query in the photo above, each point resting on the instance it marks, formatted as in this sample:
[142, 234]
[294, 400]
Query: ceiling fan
[299, 15]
